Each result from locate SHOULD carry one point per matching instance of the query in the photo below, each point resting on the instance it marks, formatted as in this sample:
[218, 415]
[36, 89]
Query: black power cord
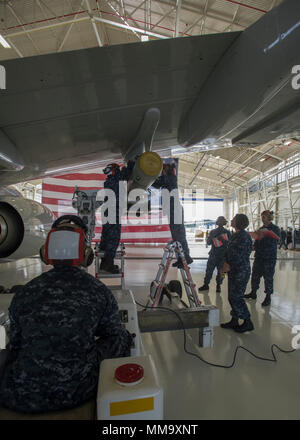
[274, 359]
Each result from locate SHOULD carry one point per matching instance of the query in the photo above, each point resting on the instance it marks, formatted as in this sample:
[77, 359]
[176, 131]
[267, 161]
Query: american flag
[57, 195]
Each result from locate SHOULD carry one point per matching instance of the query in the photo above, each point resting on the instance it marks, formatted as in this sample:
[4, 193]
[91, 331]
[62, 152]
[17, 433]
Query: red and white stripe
[57, 196]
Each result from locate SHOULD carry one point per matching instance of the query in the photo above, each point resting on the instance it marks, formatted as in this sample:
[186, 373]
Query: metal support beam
[11, 9]
[196, 175]
[42, 28]
[240, 154]
[163, 17]
[135, 9]
[148, 15]
[250, 209]
[267, 154]
[127, 26]
[265, 202]
[141, 31]
[93, 23]
[187, 7]
[199, 161]
[290, 198]
[251, 162]
[229, 28]
[15, 47]
[44, 14]
[177, 22]
[276, 203]
[188, 29]
[126, 14]
[65, 37]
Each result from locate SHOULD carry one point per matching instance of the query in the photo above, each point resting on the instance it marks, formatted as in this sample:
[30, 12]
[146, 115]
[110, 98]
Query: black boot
[233, 324]
[189, 260]
[218, 290]
[178, 264]
[203, 288]
[267, 300]
[108, 265]
[247, 326]
[102, 264]
[251, 295]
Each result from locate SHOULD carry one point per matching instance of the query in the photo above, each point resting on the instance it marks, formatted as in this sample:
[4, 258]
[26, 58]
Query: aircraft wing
[79, 107]
[82, 106]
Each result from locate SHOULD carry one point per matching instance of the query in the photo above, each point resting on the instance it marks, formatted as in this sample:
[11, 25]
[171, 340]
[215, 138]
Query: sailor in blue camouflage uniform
[218, 239]
[168, 180]
[265, 258]
[237, 265]
[62, 325]
[111, 232]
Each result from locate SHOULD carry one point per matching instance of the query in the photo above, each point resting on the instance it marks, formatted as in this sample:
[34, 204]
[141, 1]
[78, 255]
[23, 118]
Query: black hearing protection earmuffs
[85, 253]
[111, 169]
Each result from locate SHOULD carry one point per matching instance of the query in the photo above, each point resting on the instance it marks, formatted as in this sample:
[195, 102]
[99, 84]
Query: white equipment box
[129, 319]
[129, 389]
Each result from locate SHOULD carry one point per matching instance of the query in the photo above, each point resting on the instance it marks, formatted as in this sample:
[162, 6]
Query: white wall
[209, 209]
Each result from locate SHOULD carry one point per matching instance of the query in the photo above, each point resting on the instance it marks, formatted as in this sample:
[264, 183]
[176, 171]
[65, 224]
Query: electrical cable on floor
[236, 350]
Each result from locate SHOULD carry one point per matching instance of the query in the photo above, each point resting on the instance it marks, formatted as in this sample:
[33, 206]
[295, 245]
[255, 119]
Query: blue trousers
[237, 283]
[110, 239]
[214, 261]
[178, 234]
[263, 268]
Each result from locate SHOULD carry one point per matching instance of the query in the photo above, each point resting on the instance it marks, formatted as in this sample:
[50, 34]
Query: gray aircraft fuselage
[84, 107]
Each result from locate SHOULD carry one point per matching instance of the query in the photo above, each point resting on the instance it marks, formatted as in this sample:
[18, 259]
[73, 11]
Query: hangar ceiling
[34, 27]
[223, 171]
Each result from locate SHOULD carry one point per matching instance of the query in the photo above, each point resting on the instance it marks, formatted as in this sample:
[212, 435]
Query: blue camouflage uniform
[54, 357]
[238, 258]
[265, 260]
[178, 233]
[282, 239]
[216, 257]
[111, 233]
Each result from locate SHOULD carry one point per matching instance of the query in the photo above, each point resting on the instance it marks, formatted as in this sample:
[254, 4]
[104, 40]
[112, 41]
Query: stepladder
[172, 249]
[101, 274]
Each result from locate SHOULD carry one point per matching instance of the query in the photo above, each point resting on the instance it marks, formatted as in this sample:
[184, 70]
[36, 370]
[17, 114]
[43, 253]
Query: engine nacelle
[24, 225]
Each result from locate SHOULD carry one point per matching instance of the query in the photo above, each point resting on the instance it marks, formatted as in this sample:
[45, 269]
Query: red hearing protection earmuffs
[60, 246]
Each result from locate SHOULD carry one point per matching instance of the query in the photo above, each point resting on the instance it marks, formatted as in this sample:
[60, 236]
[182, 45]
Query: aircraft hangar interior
[182, 117]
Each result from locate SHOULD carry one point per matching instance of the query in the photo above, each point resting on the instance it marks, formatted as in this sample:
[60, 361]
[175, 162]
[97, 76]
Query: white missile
[147, 168]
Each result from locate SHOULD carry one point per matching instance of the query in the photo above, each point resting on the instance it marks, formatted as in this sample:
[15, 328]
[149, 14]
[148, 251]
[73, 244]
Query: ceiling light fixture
[4, 42]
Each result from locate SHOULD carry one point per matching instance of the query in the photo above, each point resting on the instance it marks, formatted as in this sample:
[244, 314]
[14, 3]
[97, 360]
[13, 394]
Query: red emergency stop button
[129, 374]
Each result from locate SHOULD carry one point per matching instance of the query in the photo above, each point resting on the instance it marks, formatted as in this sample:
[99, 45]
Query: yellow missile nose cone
[150, 163]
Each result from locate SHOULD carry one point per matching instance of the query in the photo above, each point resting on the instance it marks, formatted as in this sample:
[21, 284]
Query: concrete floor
[252, 389]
